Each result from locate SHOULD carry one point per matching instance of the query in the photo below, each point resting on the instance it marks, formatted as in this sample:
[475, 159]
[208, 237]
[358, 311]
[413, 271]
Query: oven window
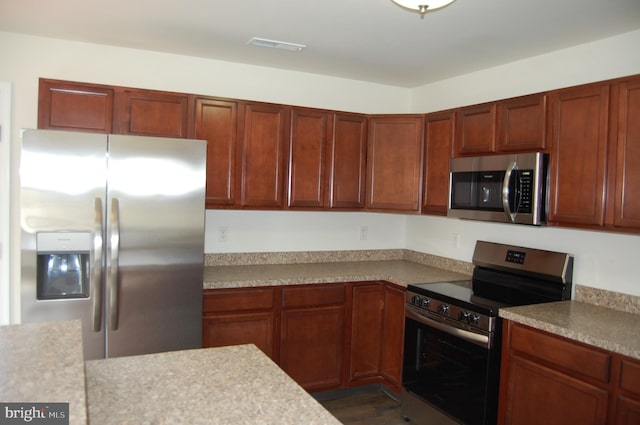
[451, 374]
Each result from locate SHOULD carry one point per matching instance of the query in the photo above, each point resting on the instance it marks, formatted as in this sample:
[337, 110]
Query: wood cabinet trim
[313, 295]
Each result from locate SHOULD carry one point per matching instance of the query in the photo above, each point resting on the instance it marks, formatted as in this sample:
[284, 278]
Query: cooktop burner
[458, 293]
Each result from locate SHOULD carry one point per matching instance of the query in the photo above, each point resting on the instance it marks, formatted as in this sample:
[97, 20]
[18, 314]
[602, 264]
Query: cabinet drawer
[561, 352]
[312, 295]
[630, 377]
[242, 299]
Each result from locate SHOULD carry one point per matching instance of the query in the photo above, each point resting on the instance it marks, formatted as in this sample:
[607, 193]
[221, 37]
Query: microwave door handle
[505, 191]
[95, 258]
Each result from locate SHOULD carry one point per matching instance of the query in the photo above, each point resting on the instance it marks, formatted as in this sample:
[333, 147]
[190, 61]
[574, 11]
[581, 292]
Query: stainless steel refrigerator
[113, 234]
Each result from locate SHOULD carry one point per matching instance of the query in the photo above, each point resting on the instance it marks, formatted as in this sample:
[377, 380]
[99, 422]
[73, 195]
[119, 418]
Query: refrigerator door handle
[95, 281]
[112, 273]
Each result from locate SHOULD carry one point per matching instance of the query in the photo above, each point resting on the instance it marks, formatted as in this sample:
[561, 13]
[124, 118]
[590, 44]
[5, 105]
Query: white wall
[602, 260]
[275, 231]
[600, 60]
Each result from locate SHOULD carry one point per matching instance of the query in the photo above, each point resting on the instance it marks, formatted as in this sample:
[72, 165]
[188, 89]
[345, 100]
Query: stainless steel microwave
[504, 188]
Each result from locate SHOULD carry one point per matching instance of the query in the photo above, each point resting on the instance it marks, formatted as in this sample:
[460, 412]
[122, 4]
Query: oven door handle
[472, 337]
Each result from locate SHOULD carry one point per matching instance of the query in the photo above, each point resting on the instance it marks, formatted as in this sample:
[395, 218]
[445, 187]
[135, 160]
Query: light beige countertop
[599, 326]
[400, 272]
[43, 363]
[230, 385]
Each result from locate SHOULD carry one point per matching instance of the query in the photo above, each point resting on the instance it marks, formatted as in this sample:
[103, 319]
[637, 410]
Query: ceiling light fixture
[283, 45]
[423, 6]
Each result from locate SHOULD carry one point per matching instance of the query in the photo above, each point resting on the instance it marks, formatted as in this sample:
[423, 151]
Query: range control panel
[446, 312]
[516, 257]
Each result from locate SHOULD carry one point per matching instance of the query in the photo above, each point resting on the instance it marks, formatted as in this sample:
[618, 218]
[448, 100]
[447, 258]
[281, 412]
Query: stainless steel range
[453, 333]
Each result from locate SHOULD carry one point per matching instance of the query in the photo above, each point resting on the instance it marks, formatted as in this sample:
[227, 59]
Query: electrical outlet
[455, 240]
[364, 232]
[223, 233]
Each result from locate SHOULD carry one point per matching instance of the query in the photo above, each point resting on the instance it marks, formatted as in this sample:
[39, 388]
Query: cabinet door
[522, 124]
[439, 133]
[244, 328]
[347, 162]
[393, 336]
[627, 195]
[628, 411]
[64, 105]
[312, 335]
[152, 113]
[628, 403]
[394, 168]
[263, 155]
[578, 155]
[476, 130]
[216, 122]
[539, 395]
[307, 153]
[311, 346]
[367, 319]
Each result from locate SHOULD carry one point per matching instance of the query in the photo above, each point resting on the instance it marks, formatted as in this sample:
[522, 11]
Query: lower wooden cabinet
[325, 336]
[376, 334]
[311, 335]
[237, 329]
[553, 380]
[240, 316]
[628, 394]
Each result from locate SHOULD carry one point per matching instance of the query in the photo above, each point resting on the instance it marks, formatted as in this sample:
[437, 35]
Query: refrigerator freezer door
[62, 180]
[155, 244]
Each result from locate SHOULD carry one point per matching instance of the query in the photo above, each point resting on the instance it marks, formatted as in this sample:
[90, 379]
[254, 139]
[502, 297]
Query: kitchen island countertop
[591, 324]
[233, 385]
[399, 272]
[43, 363]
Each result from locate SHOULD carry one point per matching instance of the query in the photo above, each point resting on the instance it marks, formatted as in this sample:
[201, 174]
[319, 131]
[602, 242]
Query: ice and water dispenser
[63, 265]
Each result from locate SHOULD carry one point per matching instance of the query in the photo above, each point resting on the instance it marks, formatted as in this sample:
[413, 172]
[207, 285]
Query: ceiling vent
[283, 45]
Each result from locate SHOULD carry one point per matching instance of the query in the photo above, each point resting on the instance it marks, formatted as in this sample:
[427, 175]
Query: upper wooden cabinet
[476, 130]
[522, 124]
[152, 113]
[310, 130]
[270, 156]
[347, 161]
[578, 155]
[64, 105]
[263, 155]
[627, 171]
[507, 126]
[438, 141]
[394, 162]
[216, 121]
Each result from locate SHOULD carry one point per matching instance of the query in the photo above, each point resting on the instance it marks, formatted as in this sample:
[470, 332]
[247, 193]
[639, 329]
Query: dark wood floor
[373, 407]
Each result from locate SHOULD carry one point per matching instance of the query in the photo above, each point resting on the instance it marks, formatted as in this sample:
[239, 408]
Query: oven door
[447, 374]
